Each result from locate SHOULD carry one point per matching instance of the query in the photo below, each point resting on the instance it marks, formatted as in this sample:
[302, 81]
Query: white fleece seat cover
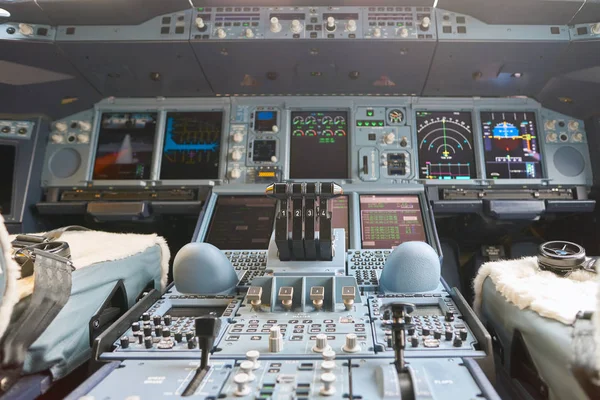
[523, 284]
[100, 259]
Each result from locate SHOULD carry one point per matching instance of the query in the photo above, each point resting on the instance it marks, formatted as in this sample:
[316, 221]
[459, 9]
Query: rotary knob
[61, 126]
[253, 355]
[389, 138]
[57, 138]
[148, 342]
[296, 26]
[321, 344]
[156, 319]
[437, 334]
[449, 334]
[147, 330]
[351, 25]
[463, 334]
[25, 29]
[330, 24]
[200, 24]
[425, 23]
[328, 366]
[552, 137]
[550, 124]
[221, 34]
[596, 28]
[377, 32]
[145, 316]
[191, 344]
[158, 330]
[124, 342]
[166, 333]
[238, 137]
[351, 345]
[178, 337]
[403, 32]
[249, 33]
[425, 331]
[236, 155]
[329, 355]
[457, 342]
[85, 126]
[235, 173]
[578, 137]
[135, 327]
[573, 125]
[167, 320]
[275, 129]
[449, 317]
[414, 341]
[275, 25]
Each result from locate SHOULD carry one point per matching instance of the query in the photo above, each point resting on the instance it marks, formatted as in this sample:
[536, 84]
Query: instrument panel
[247, 140]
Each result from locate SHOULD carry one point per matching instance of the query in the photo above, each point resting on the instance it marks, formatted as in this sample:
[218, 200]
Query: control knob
[403, 142]
[437, 334]
[328, 379]
[189, 335]
[166, 333]
[124, 342]
[249, 33]
[329, 355]
[463, 334]
[425, 23]
[145, 316]
[147, 330]
[83, 138]
[236, 155]
[296, 26]
[167, 320]
[61, 126]
[275, 129]
[200, 24]
[56, 138]
[578, 137]
[158, 330]
[377, 32]
[425, 331]
[552, 137]
[351, 345]
[85, 126]
[457, 342]
[148, 342]
[246, 367]
[25, 29]
[328, 366]
[351, 25]
[449, 317]
[449, 334]
[596, 28]
[221, 34]
[414, 341]
[235, 173]
[550, 124]
[275, 340]
[191, 344]
[238, 137]
[403, 32]
[573, 125]
[389, 138]
[135, 327]
[241, 381]
[178, 336]
[275, 25]
[321, 344]
[252, 355]
[330, 24]
[156, 319]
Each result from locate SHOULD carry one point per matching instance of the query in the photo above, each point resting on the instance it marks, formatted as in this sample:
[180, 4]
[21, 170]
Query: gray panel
[25, 10]
[124, 68]
[519, 12]
[108, 12]
[333, 3]
[242, 68]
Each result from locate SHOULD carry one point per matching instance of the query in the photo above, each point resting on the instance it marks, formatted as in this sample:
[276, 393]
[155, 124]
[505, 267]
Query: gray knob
[275, 340]
[351, 345]
[321, 343]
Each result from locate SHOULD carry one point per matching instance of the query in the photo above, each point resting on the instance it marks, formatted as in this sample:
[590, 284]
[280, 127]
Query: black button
[461, 29]
[318, 28]
[582, 30]
[447, 29]
[166, 20]
[309, 27]
[42, 31]
[314, 20]
[164, 30]
[460, 20]
[70, 31]
[390, 23]
[179, 29]
[229, 9]
[296, 36]
[236, 24]
[227, 23]
[180, 18]
[555, 30]
[352, 36]
[255, 24]
[218, 24]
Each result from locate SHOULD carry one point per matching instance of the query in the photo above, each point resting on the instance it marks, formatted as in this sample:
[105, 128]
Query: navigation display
[264, 121]
[511, 146]
[319, 145]
[242, 223]
[388, 221]
[192, 145]
[445, 145]
[125, 146]
[8, 156]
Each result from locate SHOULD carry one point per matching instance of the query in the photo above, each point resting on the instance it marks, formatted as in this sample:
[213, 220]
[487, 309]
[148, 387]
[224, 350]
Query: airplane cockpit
[298, 199]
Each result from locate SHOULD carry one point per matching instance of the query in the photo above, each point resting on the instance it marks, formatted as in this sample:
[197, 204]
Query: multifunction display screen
[264, 121]
[388, 221]
[319, 145]
[446, 148]
[192, 145]
[8, 156]
[511, 145]
[125, 146]
[242, 223]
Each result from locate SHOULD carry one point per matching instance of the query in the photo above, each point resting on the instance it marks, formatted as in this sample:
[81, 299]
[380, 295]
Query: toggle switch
[317, 295]
[286, 294]
[348, 296]
[321, 344]
[254, 296]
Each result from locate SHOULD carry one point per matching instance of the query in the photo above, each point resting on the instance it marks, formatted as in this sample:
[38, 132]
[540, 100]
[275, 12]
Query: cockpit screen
[445, 145]
[125, 146]
[242, 223]
[511, 145]
[192, 145]
[8, 156]
[388, 221]
[319, 145]
[264, 121]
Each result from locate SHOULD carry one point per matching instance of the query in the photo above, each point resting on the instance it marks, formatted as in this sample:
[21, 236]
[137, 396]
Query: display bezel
[133, 106]
[13, 195]
[540, 140]
[387, 195]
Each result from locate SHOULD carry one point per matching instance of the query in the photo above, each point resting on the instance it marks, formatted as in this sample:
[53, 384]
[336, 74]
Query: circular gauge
[311, 132]
[445, 145]
[340, 132]
[339, 120]
[327, 132]
[297, 120]
[327, 120]
[310, 120]
[298, 132]
[395, 117]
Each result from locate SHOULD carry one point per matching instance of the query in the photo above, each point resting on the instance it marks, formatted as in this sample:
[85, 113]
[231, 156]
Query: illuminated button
[266, 174]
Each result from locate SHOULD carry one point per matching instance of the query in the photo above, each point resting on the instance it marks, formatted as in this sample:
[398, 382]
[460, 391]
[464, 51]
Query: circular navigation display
[445, 145]
[395, 117]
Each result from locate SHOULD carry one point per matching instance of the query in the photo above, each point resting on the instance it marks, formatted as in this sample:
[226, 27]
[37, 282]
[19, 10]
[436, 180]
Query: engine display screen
[242, 223]
[192, 145]
[264, 150]
[388, 221]
[445, 145]
[319, 145]
[125, 146]
[8, 157]
[511, 145]
[264, 121]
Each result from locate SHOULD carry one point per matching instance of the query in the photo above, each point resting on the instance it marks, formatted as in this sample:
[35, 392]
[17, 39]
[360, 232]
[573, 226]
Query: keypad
[248, 264]
[366, 266]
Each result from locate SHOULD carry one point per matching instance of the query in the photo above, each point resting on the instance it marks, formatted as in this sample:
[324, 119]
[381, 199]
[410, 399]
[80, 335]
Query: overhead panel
[476, 59]
[152, 59]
